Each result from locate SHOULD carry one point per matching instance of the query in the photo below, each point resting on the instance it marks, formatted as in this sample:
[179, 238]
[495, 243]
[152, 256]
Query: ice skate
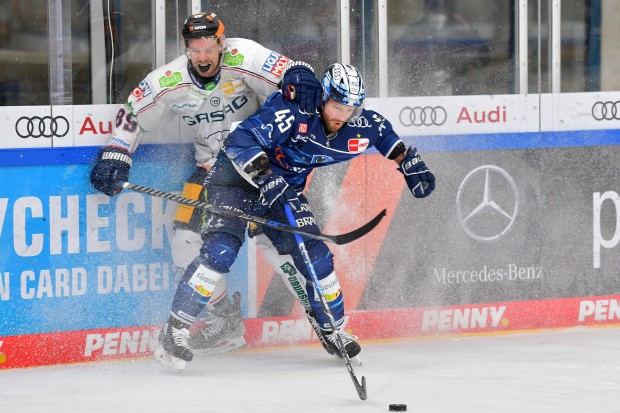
[319, 333]
[173, 349]
[223, 332]
[350, 345]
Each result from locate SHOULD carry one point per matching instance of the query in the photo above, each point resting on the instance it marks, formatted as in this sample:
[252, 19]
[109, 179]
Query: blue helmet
[344, 84]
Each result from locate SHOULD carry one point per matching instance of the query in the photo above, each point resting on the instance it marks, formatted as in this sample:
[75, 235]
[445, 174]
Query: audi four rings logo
[423, 116]
[606, 110]
[42, 127]
[487, 203]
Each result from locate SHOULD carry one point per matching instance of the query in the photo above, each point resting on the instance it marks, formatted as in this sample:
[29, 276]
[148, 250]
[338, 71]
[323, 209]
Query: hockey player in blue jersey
[263, 167]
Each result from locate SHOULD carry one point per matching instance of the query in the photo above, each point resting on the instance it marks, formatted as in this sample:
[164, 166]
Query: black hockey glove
[275, 190]
[300, 85]
[419, 179]
[112, 166]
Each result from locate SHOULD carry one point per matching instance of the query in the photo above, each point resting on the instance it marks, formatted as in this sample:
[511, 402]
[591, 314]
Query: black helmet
[203, 25]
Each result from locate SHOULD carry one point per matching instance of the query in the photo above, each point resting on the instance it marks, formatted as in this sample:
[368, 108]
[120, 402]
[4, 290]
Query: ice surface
[573, 370]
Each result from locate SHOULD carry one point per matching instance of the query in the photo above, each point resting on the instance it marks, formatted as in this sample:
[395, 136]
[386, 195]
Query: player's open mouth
[204, 68]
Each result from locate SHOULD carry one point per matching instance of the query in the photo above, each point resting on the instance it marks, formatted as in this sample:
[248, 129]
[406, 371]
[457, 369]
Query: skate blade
[224, 346]
[355, 361]
[162, 357]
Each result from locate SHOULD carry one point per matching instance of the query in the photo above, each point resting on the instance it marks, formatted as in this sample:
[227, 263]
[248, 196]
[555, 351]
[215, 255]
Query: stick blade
[359, 232]
[361, 390]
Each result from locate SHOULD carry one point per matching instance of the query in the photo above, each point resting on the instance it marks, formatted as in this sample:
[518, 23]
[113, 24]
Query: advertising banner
[502, 225]
[73, 259]
[522, 232]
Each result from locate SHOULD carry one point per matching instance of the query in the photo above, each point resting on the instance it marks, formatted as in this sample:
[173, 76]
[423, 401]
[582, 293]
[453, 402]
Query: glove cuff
[115, 154]
[258, 166]
[298, 64]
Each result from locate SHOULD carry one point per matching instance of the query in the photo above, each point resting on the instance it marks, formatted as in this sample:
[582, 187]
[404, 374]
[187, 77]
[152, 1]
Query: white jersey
[249, 75]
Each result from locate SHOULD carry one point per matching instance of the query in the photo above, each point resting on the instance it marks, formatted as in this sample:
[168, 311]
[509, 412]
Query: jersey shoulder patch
[239, 52]
[169, 75]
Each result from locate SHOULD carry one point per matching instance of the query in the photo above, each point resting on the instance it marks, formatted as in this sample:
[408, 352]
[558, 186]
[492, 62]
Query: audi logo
[42, 127]
[360, 122]
[423, 116]
[606, 110]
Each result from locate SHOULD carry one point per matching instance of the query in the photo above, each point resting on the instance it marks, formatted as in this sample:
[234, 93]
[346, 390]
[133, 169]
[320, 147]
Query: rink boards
[521, 233]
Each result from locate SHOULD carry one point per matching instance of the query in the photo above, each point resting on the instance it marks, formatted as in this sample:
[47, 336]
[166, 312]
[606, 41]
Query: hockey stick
[336, 239]
[361, 388]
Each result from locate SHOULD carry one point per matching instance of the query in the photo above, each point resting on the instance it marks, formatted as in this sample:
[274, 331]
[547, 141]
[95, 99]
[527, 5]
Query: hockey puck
[398, 407]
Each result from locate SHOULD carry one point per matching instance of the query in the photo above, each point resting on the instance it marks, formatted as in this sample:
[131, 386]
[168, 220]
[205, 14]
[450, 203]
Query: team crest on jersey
[303, 128]
[358, 145]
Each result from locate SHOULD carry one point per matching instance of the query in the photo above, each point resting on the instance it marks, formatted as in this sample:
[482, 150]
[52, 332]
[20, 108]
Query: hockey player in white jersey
[217, 82]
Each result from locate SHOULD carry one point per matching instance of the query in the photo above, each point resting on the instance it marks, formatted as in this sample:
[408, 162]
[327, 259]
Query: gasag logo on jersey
[275, 64]
[170, 79]
[233, 58]
[358, 145]
[217, 115]
[141, 91]
[464, 318]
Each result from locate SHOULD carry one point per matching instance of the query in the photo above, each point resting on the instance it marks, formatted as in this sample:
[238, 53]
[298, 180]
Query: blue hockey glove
[275, 190]
[419, 179]
[112, 166]
[300, 85]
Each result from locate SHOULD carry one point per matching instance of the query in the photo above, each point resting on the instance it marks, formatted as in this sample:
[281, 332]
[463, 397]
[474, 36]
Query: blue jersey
[296, 142]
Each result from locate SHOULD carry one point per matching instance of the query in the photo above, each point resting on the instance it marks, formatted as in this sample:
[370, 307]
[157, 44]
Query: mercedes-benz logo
[606, 110]
[423, 116]
[487, 203]
[42, 126]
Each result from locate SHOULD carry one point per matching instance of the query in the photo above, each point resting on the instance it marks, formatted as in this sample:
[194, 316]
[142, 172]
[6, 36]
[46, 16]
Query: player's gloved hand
[275, 190]
[300, 85]
[112, 166]
[419, 179]
[254, 230]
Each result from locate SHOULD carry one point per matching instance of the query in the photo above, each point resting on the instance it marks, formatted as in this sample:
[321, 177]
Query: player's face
[204, 54]
[335, 115]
